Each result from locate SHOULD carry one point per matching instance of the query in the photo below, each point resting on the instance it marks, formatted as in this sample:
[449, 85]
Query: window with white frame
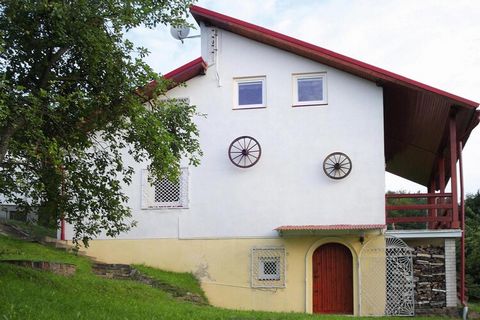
[268, 267]
[309, 89]
[249, 93]
[163, 193]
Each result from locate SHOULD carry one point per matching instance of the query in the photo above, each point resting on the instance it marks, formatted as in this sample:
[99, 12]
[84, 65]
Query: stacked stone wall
[64, 269]
[429, 278]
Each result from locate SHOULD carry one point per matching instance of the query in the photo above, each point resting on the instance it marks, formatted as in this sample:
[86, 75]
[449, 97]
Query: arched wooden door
[332, 279]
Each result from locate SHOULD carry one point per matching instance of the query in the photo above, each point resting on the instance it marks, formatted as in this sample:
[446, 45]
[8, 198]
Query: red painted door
[332, 279]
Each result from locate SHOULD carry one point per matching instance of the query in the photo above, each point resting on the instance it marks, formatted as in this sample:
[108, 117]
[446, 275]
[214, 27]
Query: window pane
[167, 191]
[270, 267]
[310, 89]
[250, 93]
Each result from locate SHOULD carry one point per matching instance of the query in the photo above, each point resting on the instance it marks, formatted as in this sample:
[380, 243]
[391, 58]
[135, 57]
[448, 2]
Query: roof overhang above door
[331, 229]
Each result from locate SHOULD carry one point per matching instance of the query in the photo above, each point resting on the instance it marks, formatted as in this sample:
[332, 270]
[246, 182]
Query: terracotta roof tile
[330, 227]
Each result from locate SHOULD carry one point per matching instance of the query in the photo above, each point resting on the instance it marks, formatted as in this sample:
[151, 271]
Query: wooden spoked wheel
[244, 152]
[337, 165]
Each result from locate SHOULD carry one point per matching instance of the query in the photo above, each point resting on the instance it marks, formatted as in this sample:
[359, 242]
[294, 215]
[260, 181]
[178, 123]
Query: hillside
[32, 294]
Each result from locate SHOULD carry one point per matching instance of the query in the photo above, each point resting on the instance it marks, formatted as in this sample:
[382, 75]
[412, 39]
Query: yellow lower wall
[223, 266]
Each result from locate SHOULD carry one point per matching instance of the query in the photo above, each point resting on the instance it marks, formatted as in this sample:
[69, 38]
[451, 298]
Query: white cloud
[431, 41]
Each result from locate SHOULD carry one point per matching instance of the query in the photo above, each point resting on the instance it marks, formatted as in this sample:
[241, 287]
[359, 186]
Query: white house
[287, 210]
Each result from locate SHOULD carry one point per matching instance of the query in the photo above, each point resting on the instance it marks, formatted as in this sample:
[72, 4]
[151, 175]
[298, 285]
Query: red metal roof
[187, 71]
[325, 227]
[415, 114]
[181, 74]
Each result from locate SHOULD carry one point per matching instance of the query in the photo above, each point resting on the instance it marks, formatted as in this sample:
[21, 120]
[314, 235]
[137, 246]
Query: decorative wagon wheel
[244, 152]
[337, 165]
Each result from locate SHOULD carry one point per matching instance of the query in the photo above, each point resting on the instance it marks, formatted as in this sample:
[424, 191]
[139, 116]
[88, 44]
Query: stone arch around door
[351, 254]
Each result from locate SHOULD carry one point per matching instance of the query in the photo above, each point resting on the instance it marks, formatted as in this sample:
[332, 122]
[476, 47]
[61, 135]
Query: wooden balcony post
[432, 213]
[441, 187]
[462, 219]
[441, 174]
[453, 171]
[462, 190]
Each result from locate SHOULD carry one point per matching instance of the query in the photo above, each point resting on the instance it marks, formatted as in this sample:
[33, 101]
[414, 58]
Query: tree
[70, 109]
[472, 244]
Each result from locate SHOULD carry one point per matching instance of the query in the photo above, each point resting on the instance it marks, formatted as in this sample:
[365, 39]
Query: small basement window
[268, 267]
[249, 93]
[163, 193]
[309, 89]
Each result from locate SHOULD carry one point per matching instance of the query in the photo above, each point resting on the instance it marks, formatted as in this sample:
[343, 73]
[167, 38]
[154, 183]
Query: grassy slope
[185, 282]
[35, 230]
[31, 294]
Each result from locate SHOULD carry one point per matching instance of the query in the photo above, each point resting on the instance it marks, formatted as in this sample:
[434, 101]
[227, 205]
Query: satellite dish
[180, 32]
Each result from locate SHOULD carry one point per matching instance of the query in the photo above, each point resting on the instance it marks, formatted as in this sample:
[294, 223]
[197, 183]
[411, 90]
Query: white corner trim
[418, 234]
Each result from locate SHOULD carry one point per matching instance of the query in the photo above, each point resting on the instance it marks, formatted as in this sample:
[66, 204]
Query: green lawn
[474, 306]
[30, 294]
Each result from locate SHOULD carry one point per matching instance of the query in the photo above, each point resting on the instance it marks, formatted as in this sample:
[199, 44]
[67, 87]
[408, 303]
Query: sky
[432, 41]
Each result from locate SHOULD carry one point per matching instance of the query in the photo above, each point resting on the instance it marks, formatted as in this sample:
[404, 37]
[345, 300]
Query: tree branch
[16, 163]
[71, 79]
[6, 134]
[56, 56]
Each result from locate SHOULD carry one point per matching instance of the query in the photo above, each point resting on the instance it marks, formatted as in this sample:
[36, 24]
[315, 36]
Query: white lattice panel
[268, 267]
[386, 278]
[163, 193]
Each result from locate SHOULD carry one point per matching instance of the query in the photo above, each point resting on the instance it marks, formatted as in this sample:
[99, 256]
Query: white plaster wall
[287, 186]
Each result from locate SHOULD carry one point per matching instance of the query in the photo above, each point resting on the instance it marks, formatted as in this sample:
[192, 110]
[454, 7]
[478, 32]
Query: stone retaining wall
[64, 269]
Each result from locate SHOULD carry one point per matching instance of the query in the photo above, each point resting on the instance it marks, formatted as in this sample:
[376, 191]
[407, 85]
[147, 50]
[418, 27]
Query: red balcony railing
[419, 211]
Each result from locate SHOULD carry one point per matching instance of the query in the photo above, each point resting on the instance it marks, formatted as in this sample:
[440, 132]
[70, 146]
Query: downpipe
[465, 313]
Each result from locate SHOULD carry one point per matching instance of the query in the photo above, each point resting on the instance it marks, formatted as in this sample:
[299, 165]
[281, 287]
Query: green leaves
[69, 108]
[472, 244]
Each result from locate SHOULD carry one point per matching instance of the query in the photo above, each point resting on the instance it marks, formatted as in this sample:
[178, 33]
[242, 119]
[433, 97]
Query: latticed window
[163, 193]
[166, 191]
[268, 267]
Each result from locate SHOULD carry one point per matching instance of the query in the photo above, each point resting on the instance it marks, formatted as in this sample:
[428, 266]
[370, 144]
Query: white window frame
[300, 76]
[148, 193]
[236, 90]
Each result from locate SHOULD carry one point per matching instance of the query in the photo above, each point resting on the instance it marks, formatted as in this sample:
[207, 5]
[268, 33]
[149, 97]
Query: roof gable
[415, 114]
[316, 53]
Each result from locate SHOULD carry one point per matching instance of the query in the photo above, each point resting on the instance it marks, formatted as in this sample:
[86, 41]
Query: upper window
[163, 193]
[309, 89]
[249, 93]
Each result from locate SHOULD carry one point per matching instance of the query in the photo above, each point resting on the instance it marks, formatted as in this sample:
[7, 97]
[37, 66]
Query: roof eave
[186, 72]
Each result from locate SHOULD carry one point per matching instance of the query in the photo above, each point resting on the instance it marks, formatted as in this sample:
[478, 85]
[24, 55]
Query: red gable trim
[331, 227]
[319, 54]
[186, 72]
